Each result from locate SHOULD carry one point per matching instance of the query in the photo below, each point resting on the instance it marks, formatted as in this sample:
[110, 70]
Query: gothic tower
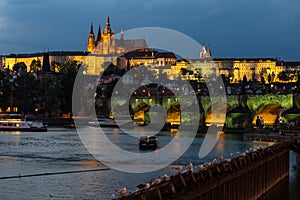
[203, 51]
[107, 38]
[91, 40]
[208, 51]
[98, 36]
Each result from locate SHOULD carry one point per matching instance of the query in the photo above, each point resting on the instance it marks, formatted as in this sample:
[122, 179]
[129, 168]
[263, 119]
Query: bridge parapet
[248, 176]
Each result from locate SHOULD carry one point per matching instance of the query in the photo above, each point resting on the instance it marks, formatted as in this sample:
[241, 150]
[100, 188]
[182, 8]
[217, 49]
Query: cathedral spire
[99, 34]
[91, 40]
[208, 51]
[107, 28]
[92, 29]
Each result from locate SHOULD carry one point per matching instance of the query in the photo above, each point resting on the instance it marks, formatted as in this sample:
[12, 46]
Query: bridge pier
[298, 161]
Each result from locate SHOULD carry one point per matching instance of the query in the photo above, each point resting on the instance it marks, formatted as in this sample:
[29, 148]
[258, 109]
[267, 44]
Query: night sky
[233, 28]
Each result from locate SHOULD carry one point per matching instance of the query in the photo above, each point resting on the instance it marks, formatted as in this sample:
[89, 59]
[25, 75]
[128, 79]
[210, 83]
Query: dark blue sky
[233, 28]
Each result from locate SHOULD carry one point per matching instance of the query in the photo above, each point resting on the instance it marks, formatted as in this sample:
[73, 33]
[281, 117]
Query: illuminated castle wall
[59, 57]
[105, 47]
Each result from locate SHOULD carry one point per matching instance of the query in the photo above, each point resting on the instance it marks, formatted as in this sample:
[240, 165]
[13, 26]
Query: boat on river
[148, 142]
[107, 122]
[14, 122]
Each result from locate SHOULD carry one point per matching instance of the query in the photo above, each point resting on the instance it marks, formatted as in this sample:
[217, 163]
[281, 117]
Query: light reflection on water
[60, 150]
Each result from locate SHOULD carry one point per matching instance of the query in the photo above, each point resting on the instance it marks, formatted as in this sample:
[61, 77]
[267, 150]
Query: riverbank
[62, 122]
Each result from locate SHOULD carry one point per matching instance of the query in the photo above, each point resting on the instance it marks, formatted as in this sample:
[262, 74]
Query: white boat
[106, 122]
[14, 122]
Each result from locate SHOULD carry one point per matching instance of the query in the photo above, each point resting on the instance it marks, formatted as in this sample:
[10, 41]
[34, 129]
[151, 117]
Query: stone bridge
[241, 109]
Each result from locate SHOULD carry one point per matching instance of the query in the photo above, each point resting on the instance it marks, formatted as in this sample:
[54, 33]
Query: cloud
[3, 22]
[23, 2]
[238, 25]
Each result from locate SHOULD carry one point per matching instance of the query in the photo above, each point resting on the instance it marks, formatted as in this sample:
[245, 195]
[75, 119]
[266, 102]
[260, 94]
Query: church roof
[141, 54]
[131, 45]
[149, 54]
[165, 55]
[51, 53]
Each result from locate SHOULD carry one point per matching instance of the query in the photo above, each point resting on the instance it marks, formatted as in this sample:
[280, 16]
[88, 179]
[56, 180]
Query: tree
[263, 72]
[25, 93]
[198, 75]
[183, 71]
[286, 76]
[67, 84]
[5, 89]
[273, 77]
[48, 94]
[244, 80]
[263, 80]
[35, 66]
[110, 69]
[20, 67]
[269, 78]
[56, 67]
[298, 78]
[67, 66]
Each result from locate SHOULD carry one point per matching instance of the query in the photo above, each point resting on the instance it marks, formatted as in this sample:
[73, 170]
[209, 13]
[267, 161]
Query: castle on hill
[106, 43]
[105, 47]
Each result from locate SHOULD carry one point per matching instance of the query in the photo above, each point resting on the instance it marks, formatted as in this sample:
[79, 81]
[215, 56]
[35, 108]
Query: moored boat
[14, 122]
[148, 142]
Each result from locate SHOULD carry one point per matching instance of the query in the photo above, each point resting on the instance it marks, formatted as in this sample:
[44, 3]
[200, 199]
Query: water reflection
[10, 138]
[220, 146]
[61, 150]
[11, 132]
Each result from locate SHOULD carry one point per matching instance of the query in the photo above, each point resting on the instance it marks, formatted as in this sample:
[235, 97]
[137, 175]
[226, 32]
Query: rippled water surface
[61, 150]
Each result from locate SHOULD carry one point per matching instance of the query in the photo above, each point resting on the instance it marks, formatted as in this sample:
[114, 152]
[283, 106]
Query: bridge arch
[136, 103]
[173, 116]
[269, 112]
[219, 107]
[140, 117]
[238, 118]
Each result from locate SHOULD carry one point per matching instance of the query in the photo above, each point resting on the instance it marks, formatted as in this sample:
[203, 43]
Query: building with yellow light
[236, 69]
[128, 53]
[106, 43]
[54, 57]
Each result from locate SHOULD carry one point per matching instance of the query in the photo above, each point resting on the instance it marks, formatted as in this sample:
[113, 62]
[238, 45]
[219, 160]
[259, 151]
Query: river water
[61, 150]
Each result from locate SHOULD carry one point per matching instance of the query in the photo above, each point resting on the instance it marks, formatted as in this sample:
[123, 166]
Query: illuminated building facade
[127, 53]
[236, 69]
[146, 57]
[58, 57]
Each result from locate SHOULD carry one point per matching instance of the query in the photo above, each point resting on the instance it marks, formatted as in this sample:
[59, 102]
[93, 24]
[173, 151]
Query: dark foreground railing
[248, 176]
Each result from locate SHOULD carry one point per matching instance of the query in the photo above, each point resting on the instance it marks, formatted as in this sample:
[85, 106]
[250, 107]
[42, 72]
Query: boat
[106, 122]
[14, 122]
[148, 142]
